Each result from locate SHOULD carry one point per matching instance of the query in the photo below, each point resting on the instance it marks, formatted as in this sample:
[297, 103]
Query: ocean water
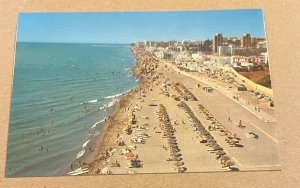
[58, 92]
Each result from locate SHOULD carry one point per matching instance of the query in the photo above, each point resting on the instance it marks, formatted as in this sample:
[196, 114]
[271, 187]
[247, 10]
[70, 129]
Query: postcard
[101, 93]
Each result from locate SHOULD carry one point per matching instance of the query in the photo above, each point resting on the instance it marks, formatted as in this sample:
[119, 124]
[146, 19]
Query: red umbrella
[130, 154]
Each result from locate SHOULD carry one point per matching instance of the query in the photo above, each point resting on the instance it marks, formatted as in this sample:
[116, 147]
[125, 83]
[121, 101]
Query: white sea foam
[85, 144]
[80, 154]
[111, 103]
[93, 101]
[117, 95]
[97, 123]
[114, 96]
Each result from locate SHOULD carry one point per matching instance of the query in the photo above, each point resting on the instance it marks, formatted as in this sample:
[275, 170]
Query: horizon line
[76, 42]
[56, 42]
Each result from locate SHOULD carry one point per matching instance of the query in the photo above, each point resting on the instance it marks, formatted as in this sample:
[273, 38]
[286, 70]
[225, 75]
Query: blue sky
[127, 27]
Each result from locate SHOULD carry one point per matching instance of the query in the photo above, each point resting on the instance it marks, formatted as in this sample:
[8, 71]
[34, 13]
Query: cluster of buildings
[245, 53]
[238, 46]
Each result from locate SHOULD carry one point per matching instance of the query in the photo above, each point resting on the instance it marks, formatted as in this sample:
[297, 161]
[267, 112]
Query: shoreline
[105, 139]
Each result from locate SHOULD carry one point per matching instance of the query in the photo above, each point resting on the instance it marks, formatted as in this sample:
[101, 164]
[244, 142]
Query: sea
[61, 95]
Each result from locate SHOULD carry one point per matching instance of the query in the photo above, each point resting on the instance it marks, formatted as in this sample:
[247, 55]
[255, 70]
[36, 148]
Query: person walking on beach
[229, 119]
[240, 123]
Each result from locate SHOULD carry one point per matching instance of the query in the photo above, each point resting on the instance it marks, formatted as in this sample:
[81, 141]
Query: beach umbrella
[172, 140]
[175, 150]
[173, 147]
[179, 169]
[217, 147]
[172, 137]
[229, 163]
[169, 129]
[210, 140]
[174, 154]
[173, 144]
[212, 145]
[169, 134]
[167, 125]
[234, 141]
[205, 133]
[199, 128]
[130, 154]
[229, 137]
[225, 158]
[178, 163]
[209, 137]
[220, 152]
[176, 159]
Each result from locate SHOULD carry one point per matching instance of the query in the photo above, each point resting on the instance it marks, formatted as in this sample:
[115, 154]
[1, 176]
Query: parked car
[260, 96]
[242, 88]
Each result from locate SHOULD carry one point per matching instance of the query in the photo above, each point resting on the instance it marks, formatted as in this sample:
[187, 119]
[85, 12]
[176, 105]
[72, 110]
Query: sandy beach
[169, 123]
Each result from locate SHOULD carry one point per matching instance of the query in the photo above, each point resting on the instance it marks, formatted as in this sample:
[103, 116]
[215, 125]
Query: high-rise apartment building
[246, 41]
[217, 41]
